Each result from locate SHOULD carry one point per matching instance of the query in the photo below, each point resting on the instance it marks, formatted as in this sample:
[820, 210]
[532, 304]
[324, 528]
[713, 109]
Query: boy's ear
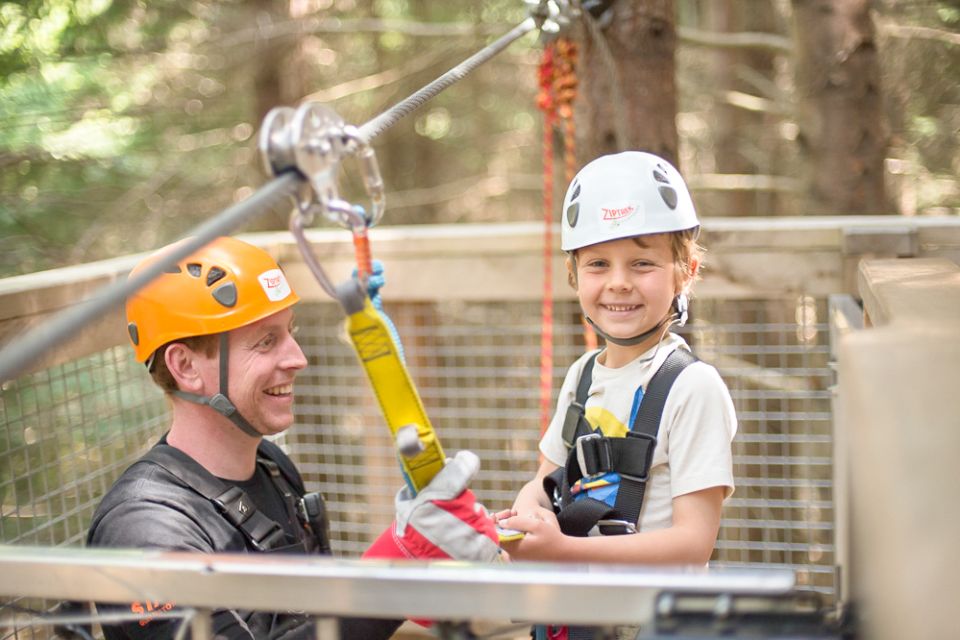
[571, 262]
[694, 268]
[182, 363]
[687, 279]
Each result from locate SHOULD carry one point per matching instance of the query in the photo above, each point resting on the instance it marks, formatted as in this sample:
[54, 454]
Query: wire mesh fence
[67, 432]
[476, 366]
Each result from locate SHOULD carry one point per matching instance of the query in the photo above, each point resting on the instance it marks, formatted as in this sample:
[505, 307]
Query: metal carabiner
[370, 169]
[298, 221]
[350, 294]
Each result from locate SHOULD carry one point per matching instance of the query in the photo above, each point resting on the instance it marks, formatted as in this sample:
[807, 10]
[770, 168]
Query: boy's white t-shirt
[693, 449]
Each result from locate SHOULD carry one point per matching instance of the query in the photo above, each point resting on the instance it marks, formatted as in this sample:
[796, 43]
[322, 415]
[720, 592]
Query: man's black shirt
[150, 508]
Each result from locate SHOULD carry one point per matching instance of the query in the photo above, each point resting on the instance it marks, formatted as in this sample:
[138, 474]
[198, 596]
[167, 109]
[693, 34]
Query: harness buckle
[625, 527]
[310, 508]
[593, 454]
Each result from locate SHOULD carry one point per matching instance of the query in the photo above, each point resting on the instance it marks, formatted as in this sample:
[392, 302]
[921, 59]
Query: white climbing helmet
[623, 195]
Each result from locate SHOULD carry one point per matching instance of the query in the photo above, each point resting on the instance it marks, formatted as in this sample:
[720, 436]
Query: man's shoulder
[149, 481]
[150, 507]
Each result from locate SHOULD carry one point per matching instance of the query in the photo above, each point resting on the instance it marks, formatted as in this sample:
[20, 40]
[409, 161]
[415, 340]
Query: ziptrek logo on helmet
[617, 213]
[274, 284]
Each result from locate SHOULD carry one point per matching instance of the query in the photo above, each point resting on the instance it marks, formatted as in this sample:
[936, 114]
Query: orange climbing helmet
[224, 285]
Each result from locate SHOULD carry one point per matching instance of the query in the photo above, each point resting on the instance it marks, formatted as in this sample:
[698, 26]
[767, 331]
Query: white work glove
[443, 521]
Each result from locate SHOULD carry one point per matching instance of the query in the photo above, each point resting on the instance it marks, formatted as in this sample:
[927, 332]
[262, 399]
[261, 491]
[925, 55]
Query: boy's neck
[615, 356]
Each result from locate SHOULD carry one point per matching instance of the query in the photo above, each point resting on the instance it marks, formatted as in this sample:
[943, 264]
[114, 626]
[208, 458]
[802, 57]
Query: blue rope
[375, 282]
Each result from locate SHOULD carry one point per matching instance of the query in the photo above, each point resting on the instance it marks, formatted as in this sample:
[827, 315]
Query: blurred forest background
[124, 124]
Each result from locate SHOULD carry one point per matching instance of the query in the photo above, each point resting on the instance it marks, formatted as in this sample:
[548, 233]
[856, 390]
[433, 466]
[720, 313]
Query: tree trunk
[277, 74]
[630, 93]
[842, 135]
[742, 140]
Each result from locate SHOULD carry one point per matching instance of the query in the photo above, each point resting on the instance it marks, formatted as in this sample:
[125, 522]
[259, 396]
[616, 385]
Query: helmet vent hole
[134, 334]
[226, 294]
[669, 195]
[215, 274]
[573, 213]
[194, 269]
[576, 193]
[659, 174]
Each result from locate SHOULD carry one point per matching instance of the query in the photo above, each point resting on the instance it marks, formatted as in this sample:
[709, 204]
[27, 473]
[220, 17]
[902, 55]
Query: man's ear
[182, 363]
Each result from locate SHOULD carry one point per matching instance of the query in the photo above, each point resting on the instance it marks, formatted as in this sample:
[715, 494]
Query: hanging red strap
[565, 90]
[557, 91]
[547, 104]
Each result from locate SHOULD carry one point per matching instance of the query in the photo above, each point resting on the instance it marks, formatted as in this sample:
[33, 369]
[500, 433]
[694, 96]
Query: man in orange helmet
[216, 332]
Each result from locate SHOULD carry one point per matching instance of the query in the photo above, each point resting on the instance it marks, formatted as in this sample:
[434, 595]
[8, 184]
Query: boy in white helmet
[630, 232]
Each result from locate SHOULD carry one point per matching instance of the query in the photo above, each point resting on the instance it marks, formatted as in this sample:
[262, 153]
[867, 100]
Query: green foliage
[125, 124]
[921, 66]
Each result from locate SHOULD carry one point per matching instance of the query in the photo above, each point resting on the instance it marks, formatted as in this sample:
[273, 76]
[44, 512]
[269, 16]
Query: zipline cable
[391, 116]
[16, 356]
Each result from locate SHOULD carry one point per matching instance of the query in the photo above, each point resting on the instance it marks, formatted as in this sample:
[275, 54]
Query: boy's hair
[683, 246]
[207, 345]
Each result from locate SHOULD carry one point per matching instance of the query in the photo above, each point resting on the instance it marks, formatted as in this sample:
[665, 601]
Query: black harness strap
[645, 428]
[574, 422]
[591, 453]
[261, 533]
[575, 425]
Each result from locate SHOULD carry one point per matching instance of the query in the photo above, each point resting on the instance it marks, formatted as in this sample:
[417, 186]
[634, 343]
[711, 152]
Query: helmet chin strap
[678, 317]
[220, 402]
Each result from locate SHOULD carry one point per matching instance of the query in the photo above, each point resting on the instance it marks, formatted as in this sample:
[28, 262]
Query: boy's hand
[443, 521]
[542, 536]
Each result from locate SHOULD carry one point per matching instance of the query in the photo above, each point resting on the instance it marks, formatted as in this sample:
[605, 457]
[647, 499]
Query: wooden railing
[755, 258]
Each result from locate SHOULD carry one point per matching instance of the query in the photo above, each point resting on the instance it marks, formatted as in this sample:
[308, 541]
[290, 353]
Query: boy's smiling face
[627, 286]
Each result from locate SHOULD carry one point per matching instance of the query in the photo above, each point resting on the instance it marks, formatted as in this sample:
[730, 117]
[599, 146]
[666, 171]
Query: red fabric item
[413, 545]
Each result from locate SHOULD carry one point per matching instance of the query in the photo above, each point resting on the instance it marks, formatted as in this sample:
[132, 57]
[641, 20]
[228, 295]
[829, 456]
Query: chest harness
[259, 531]
[591, 453]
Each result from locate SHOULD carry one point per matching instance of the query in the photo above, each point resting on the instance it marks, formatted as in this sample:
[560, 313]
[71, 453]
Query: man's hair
[683, 246]
[207, 345]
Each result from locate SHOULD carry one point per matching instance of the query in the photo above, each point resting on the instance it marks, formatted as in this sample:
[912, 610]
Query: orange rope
[558, 89]
[545, 101]
[361, 250]
[565, 88]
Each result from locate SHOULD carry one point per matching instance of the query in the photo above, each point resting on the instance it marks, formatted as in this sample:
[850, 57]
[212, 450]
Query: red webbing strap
[558, 89]
[547, 104]
[565, 90]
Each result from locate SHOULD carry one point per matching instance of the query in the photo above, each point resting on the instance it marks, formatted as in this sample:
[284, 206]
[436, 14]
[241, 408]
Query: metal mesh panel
[67, 433]
[774, 357]
[477, 366]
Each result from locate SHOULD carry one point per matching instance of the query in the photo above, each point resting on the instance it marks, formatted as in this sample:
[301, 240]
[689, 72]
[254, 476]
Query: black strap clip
[571, 421]
[261, 532]
[235, 506]
[312, 512]
[594, 454]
